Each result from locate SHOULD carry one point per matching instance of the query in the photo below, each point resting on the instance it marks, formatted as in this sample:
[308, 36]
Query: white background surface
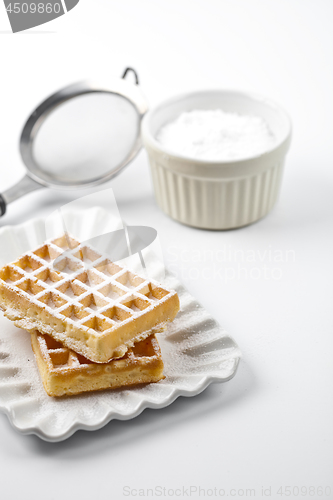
[269, 284]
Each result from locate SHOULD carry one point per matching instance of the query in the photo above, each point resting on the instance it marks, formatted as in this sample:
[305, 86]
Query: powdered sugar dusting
[215, 135]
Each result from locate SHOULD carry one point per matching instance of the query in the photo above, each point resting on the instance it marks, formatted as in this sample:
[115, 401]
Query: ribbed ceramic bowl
[215, 194]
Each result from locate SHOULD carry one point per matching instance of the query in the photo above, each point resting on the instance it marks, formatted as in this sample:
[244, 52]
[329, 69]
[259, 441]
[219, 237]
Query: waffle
[64, 372]
[83, 300]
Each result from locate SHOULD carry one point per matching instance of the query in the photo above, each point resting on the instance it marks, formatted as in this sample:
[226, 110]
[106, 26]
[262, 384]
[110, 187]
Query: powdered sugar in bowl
[217, 157]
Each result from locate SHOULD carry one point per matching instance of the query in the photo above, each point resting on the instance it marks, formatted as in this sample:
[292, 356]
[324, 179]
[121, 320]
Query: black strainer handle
[3, 206]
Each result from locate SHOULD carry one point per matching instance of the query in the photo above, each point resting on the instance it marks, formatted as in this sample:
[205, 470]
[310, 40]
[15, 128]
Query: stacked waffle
[92, 322]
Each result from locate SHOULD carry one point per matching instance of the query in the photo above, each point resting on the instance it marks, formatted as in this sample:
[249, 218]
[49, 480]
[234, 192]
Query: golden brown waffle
[64, 372]
[88, 303]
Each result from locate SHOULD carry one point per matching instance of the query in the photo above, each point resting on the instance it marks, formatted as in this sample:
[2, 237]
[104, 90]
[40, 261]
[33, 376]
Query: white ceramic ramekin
[214, 194]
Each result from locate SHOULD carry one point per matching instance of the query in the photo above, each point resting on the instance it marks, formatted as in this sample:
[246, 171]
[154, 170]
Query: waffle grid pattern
[82, 286]
[58, 358]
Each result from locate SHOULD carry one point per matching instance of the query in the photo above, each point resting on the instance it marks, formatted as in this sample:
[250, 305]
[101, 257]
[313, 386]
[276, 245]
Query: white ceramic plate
[196, 352]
